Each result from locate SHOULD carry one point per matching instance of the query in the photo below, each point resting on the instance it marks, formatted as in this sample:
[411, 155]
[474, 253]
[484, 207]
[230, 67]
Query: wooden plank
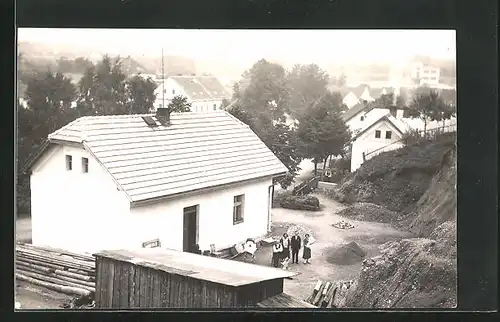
[98, 286]
[124, 288]
[143, 288]
[138, 279]
[110, 286]
[115, 301]
[131, 286]
[157, 288]
[165, 289]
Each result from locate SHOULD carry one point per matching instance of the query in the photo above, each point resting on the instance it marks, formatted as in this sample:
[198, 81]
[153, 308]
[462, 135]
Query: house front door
[190, 233]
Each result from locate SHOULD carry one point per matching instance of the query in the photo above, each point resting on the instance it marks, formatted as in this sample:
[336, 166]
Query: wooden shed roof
[196, 151]
[217, 270]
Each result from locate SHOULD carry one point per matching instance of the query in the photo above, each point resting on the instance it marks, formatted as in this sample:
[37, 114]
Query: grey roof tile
[198, 150]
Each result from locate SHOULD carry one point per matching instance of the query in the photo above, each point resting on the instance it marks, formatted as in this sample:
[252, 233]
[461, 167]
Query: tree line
[54, 101]
[266, 98]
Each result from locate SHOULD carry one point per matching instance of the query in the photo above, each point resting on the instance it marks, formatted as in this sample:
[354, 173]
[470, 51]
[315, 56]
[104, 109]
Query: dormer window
[69, 163]
[85, 165]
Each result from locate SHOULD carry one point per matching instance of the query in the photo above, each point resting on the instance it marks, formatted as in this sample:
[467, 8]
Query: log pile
[329, 294]
[56, 269]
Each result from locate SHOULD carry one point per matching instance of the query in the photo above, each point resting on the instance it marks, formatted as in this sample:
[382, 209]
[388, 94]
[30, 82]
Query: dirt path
[368, 235]
[36, 297]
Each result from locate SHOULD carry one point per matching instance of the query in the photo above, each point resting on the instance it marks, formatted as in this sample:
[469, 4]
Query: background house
[380, 135]
[108, 182]
[205, 93]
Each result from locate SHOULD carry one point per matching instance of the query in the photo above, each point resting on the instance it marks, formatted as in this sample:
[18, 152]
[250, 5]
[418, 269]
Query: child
[277, 252]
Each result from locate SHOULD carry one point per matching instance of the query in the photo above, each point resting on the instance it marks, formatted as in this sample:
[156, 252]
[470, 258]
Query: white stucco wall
[367, 142]
[164, 219]
[73, 210]
[172, 89]
[85, 212]
[418, 124]
[205, 105]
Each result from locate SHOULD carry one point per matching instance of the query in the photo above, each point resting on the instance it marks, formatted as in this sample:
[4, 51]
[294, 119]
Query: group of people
[290, 246]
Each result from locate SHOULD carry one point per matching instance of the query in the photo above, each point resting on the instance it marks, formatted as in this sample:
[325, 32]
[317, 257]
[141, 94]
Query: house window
[238, 209]
[215, 107]
[69, 162]
[164, 91]
[173, 92]
[85, 165]
[362, 118]
[388, 135]
[377, 134]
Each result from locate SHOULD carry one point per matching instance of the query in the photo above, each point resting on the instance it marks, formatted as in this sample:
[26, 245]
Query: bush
[279, 196]
[301, 203]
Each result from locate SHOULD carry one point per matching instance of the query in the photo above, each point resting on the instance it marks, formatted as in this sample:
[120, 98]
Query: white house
[428, 75]
[363, 114]
[205, 93]
[350, 100]
[380, 135]
[111, 182]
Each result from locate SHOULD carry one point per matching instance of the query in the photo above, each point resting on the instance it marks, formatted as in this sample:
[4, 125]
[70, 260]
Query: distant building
[426, 74]
[205, 93]
[379, 135]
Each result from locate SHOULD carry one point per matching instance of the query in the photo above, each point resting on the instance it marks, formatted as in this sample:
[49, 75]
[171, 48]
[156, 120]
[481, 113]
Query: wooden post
[364, 157]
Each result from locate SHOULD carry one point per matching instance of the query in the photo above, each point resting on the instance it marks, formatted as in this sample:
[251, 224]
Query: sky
[249, 45]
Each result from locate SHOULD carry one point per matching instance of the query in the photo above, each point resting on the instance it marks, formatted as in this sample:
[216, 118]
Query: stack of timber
[329, 294]
[56, 269]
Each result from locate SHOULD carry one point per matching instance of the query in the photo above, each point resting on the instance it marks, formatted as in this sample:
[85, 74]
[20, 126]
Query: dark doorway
[190, 235]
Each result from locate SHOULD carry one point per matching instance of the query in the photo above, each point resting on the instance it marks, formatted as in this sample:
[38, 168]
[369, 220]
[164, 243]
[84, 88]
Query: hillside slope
[397, 179]
[417, 272]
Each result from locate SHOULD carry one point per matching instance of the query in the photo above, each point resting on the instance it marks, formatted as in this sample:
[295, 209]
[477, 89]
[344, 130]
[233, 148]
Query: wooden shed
[163, 278]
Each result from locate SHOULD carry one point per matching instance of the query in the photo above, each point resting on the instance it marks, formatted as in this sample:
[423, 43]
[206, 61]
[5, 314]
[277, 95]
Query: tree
[260, 100]
[322, 132]
[103, 90]
[141, 95]
[49, 96]
[179, 104]
[427, 105]
[341, 80]
[385, 100]
[264, 90]
[307, 83]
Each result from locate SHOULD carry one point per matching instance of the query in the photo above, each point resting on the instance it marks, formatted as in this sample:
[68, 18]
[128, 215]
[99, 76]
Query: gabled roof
[201, 87]
[353, 111]
[213, 87]
[197, 151]
[398, 125]
[192, 87]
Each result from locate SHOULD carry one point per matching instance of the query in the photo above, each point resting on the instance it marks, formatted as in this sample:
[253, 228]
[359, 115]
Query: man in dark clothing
[295, 244]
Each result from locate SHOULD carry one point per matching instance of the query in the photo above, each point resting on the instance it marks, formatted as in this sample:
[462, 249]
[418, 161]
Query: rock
[413, 277]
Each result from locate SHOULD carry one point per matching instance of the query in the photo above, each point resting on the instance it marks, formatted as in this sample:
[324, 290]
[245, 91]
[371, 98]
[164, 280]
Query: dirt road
[368, 235]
